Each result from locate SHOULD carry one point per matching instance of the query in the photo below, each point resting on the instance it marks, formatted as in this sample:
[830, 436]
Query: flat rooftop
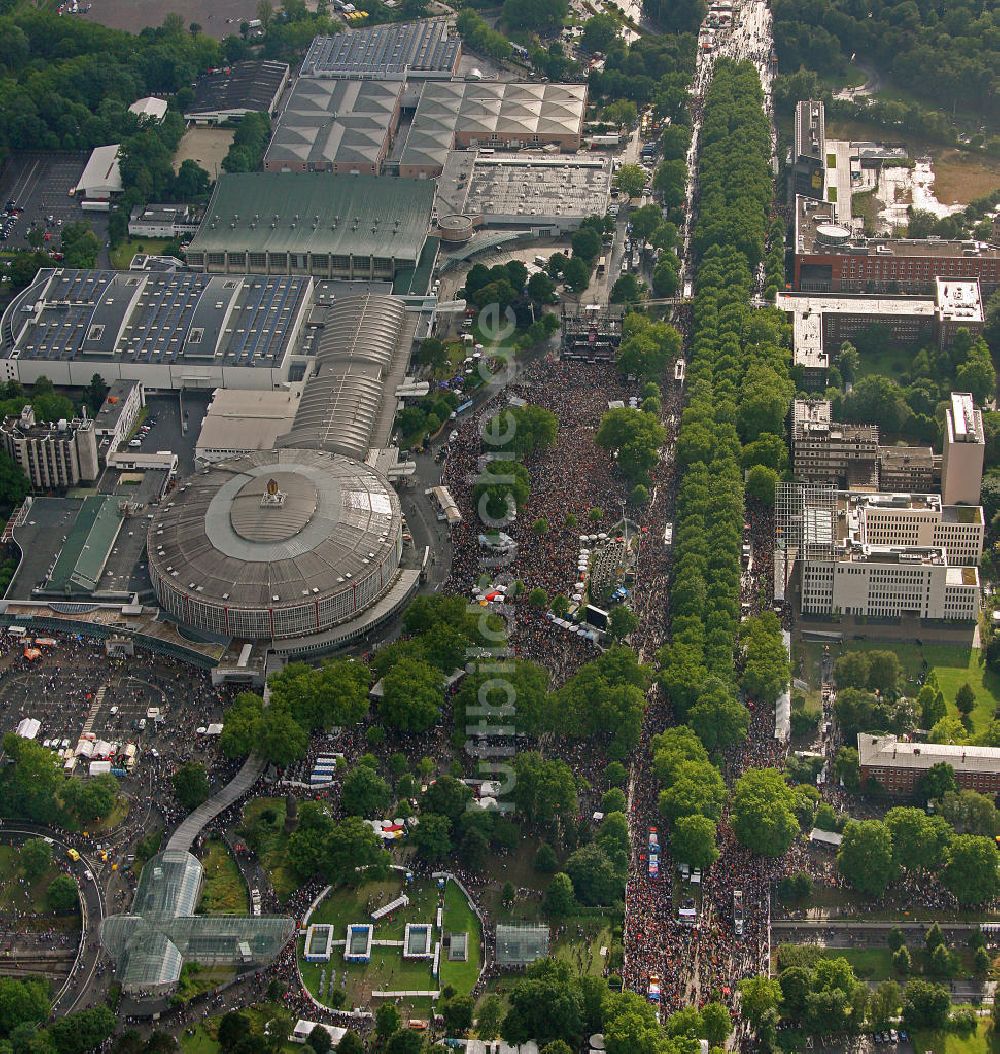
[155, 317]
[889, 750]
[114, 403]
[814, 418]
[316, 212]
[857, 304]
[813, 235]
[539, 186]
[959, 301]
[388, 50]
[329, 122]
[900, 458]
[247, 420]
[964, 422]
[810, 134]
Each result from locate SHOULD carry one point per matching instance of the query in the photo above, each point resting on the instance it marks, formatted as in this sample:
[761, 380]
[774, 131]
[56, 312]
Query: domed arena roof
[275, 543]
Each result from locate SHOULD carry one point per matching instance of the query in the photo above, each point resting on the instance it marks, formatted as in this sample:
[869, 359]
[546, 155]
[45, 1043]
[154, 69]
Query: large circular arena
[275, 544]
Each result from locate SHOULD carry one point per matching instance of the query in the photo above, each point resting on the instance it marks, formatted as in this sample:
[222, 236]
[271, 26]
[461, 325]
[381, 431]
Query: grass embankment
[223, 892]
[954, 665]
[271, 842]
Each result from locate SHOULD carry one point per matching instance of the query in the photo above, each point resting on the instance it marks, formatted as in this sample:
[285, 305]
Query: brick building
[897, 765]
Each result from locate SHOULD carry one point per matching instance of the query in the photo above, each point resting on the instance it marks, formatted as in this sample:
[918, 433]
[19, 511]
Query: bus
[602, 265]
[738, 911]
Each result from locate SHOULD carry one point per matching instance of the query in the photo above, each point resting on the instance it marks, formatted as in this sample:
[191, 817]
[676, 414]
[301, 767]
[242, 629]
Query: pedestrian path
[95, 708]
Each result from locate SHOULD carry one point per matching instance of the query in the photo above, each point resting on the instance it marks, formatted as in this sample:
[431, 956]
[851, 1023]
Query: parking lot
[39, 184]
[169, 433]
[74, 688]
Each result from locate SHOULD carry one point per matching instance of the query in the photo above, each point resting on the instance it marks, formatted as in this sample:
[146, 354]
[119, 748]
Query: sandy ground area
[223, 18]
[207, 146]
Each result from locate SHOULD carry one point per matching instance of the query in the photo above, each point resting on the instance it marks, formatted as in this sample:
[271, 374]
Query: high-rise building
[964, 448]
[52, 456]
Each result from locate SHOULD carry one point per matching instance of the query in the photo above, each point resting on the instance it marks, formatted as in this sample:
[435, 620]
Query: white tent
[28, 727]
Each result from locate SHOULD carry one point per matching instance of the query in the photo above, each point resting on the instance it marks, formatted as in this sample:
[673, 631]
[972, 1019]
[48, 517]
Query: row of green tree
[874, 853]
[34, 787]
[738, 393]
[823, 996]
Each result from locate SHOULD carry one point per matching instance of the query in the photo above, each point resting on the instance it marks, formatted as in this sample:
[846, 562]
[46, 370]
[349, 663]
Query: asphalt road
[75, 989]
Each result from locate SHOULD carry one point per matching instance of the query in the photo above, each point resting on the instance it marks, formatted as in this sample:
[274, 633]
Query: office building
[830, 258]
[909, 469]
[231, 92]
[964, 450]
[119, 412]
[403, 51]
[823, 451]
[808, 149]
[821, 323]
[52, 456]
[881, 556]
[897, 765]
[168, 329]
[305, 223]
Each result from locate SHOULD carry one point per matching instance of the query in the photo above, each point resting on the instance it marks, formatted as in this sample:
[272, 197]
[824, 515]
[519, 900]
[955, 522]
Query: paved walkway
[190, 827]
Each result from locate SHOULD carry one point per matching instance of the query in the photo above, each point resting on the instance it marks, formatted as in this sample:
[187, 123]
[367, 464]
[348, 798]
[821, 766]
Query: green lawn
[122, 255]
[870, 964]
[224, 892]
[196, 980]
[272, 843]
[954, 664]
[865, 205]
[460, 918]
[388, 970]
[895, 361]
[983, 1041]
[581, 943]
[20, 898]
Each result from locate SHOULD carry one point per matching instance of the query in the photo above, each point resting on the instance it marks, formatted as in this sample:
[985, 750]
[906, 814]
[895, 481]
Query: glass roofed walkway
[151, 944]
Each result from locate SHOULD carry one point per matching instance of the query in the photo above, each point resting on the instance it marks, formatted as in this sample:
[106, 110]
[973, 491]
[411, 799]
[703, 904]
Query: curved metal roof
[331, 518]
[339, 408]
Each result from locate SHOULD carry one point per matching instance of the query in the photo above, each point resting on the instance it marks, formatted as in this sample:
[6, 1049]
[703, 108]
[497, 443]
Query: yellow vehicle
[73, 855]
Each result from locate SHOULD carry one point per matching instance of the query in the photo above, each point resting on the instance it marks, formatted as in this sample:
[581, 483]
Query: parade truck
[654, 840]
[738, 911]
[653, 991]
[654, 866]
